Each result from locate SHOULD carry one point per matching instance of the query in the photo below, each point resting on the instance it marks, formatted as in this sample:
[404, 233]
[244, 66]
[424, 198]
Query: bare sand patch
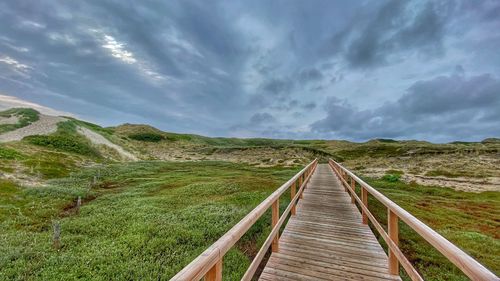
[9, 120]
[44, 126]
[98, 139]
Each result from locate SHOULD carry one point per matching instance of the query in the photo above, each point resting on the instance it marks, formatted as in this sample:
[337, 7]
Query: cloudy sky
[351, 70]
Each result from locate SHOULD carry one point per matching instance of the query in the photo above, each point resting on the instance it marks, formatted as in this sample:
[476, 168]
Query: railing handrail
[201, 265]
[468, 265]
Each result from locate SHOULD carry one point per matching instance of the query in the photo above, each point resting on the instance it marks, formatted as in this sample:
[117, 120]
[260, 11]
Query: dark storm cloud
[277, 87]
[446, 107]
[309, 106]
[395, 27]
[260, 118]
[310, 75]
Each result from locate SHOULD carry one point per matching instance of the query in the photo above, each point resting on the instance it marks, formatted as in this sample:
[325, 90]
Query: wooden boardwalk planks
[326, 239]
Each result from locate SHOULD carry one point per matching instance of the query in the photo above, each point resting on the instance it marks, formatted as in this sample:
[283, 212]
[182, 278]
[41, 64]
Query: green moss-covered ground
[138, 221]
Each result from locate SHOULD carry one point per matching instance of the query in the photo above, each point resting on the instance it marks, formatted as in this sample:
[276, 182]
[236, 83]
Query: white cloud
[14, 63]
[16, 48]
[28, 24]
[117, 50]
[16, 66]
[63, 38]
[10, 101]
[177, 41]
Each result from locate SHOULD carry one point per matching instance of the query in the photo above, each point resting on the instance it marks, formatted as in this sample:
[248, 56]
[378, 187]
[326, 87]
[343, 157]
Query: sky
[355, 70]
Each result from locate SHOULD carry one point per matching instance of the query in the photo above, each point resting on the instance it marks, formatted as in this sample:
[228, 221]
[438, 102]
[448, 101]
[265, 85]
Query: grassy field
[146, 220]
[469, 220]
[138, 221]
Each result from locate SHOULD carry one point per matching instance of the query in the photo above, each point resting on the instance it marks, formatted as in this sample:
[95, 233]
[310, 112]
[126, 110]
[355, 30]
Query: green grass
[66, 143]
[469, 220]
[26, 116]
[141, 220]
[8, 153]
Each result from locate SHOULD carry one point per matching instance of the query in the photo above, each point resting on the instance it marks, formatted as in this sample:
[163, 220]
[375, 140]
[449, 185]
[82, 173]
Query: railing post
[393, 231]
[344, 176]
[292, 195]
[353, 187]
[215, 273]
[275, 218]
[300, 184]
[364, 199]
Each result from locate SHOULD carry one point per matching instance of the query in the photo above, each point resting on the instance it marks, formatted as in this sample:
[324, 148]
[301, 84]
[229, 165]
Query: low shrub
[149, 137]
[67, 143]
[391, 177]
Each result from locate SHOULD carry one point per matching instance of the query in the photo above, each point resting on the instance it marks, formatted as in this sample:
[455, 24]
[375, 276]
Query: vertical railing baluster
[393, 231]
[353, 187]
[364, 199]
[275, 218]
[292, 195]
[215, 273]
[300, 184]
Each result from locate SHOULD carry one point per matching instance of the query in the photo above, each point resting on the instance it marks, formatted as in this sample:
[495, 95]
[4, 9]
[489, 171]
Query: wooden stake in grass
[56, 238]
[78, 204]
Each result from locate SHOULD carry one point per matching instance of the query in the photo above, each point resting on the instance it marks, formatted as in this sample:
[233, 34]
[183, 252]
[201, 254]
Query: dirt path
[45, 125]
[98, 139]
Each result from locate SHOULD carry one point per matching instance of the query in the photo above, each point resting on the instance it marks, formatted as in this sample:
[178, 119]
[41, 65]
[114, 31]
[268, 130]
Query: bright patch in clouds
[14, 63]
[117, 50]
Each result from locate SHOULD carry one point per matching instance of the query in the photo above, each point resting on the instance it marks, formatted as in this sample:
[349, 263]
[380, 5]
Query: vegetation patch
[68, 143]
[443, 173]
[8, 153]
[148, 137]
[26, 116]
[391, 177]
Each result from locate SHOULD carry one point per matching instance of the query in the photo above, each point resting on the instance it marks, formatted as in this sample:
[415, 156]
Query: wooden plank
[326, 239]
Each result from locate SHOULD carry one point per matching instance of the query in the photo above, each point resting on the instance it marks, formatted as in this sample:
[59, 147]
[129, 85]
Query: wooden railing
[470, 267]
[209, 263]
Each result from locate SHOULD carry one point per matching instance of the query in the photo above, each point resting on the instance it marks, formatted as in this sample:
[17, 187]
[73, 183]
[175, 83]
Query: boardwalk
[326, 239]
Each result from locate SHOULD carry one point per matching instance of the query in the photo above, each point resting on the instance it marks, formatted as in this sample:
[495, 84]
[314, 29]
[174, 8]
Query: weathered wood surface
[326, 239]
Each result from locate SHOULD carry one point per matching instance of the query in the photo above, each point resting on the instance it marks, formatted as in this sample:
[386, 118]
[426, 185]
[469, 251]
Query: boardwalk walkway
[326, 239]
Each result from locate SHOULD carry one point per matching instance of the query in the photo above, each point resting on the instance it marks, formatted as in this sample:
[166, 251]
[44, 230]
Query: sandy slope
[44, 126]
[98, 139]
